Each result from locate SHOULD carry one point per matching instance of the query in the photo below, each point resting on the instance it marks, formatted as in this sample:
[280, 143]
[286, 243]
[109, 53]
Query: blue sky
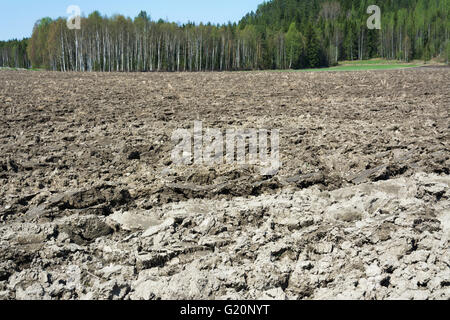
[17, 17]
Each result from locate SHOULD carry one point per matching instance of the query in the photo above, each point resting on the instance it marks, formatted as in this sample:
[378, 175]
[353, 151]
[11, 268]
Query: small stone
[418, 256]
[323, 248]
[373, 270]
[158, 228]
[135, 155]
[274, 294]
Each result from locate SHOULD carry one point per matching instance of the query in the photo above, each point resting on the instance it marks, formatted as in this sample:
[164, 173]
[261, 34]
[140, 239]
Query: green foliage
[315, 57]
[294, 46]
[37, 50]
[447, 52]
[13, 54]
[427, 54]
[407, 26]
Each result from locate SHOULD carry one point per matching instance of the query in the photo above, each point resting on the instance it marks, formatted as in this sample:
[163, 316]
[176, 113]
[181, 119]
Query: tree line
[124, 44]
[280, 34]
[13, 54]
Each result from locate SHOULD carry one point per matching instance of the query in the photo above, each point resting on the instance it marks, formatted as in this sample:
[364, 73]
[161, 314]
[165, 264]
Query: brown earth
[91, 205]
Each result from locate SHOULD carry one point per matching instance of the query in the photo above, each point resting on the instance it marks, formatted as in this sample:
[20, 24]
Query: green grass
[375, 64]
[371, 62]
[363, 67]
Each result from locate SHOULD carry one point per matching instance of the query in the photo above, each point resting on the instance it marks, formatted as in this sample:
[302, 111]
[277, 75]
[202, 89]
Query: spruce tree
[313, 58]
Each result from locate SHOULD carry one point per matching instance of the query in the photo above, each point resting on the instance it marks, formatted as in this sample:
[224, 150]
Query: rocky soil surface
[92, 207]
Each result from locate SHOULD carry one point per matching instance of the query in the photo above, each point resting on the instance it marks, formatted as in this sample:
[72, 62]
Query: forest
[280, 34]
[13, 54]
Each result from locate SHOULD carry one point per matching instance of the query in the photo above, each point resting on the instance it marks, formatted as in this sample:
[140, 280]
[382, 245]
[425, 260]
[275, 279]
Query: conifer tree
[313, 56]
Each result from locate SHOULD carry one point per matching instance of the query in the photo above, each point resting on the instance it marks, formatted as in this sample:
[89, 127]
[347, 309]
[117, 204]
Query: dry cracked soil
[92, 207]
